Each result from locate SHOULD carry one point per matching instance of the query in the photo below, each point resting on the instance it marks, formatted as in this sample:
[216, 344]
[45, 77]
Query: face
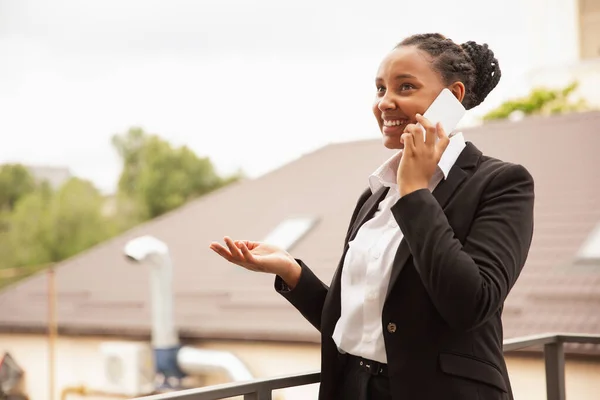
[406, 85]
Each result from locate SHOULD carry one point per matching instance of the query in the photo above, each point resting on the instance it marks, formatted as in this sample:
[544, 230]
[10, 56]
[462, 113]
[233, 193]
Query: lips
[394, 126]
[394, 122]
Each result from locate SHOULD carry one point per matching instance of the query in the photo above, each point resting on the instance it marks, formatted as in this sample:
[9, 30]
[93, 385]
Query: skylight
[290, 231]
[590, 251]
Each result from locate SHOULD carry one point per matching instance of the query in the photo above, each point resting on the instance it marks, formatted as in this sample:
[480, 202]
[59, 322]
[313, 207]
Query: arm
[469, 283]
[308, 294]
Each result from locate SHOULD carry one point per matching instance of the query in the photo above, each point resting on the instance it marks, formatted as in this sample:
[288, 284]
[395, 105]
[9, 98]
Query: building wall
[563, 38]
[553, 32]
[589, 32]
[78, 362]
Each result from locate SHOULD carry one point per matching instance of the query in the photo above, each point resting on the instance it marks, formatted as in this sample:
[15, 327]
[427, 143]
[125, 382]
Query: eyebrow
[399, 77]
[405, 76]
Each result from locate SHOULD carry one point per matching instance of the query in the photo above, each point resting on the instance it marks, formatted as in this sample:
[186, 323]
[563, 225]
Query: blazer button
[391, 327]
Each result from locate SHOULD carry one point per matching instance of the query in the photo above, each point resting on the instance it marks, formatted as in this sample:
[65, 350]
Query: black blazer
[463, 249]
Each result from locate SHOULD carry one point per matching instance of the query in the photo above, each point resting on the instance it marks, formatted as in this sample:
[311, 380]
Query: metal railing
[262, 389]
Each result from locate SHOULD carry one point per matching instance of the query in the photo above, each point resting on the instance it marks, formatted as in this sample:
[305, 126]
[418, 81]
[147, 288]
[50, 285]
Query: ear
[458, 90]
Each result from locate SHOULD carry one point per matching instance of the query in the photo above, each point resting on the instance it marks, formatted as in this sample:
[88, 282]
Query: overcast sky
[251, 84]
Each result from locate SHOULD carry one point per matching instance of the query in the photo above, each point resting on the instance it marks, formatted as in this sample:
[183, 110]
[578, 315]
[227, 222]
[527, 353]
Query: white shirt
[368, 262]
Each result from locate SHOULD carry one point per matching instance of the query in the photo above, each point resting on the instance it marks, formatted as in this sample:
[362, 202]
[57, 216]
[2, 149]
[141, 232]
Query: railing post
[260, 394]
[555, 371]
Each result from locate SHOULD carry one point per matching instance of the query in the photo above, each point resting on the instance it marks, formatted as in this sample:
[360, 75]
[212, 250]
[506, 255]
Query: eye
[380, 89]
[406, 86]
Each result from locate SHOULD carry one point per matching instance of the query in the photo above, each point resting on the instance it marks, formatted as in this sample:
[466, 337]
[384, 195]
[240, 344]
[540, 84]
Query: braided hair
[470, 63]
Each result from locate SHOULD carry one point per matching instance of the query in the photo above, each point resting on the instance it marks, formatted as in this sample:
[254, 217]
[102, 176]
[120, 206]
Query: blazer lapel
[468, 159]
[400, 259]
[368, 210]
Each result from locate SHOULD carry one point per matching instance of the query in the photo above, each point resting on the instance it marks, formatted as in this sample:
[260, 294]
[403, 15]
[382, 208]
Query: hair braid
[487, 67]
[472, 64]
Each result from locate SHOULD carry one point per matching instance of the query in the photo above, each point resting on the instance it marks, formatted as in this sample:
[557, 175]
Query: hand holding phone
[415, 171]
[445, 109]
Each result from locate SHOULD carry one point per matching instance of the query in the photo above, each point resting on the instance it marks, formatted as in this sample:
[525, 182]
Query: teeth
[394, 123]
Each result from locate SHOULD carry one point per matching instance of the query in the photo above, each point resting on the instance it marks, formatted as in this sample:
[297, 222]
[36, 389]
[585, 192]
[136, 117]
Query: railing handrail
[548, 338]
[227, 390]
[260, 389]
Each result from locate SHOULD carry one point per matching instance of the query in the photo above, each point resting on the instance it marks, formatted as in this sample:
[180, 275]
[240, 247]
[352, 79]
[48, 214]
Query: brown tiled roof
[99, 292]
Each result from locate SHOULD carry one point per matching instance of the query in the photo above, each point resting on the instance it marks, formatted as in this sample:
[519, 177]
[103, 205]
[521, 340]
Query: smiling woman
[435, 244]
[417, 70]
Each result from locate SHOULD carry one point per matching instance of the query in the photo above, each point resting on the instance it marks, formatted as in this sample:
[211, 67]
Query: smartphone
[445, 109]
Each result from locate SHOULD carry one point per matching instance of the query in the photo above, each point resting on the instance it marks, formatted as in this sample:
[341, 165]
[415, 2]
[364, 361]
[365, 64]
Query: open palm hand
[255, 256]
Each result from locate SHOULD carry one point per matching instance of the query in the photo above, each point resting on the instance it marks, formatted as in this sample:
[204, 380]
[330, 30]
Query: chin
[392, 143]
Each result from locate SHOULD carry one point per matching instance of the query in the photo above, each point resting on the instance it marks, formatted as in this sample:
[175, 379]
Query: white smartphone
[445, 109]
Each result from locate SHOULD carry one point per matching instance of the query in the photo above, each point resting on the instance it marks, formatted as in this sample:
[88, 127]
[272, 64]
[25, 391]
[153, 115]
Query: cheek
[376, 110]
[412, 106]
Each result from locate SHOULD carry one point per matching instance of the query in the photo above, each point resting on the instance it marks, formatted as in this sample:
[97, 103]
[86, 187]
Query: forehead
[407, 60]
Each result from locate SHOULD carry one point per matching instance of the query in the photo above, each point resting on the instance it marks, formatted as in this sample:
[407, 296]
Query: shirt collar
[386, 174]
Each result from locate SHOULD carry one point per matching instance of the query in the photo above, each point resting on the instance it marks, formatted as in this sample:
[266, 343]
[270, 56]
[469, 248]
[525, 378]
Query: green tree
[130, 147]
[160, 177]
[49, 227]
[29, 230]
[15, 182]
[6, 250]
[76, 219]
[39, 226]
[542, 101]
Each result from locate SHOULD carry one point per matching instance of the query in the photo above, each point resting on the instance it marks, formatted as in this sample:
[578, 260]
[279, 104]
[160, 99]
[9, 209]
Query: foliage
[48, 227]
[541, 101]
[159, 177]
[40, 226]
[15, 182]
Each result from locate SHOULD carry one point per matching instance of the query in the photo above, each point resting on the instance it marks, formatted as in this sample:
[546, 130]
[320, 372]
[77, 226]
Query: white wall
[78, 362]
[554, 40]
[553, 33]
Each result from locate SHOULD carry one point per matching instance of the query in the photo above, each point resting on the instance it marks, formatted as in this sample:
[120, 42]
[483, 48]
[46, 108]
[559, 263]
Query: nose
[386, 103]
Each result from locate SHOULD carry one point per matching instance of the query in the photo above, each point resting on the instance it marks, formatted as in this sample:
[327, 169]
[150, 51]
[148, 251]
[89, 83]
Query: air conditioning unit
[128, 368]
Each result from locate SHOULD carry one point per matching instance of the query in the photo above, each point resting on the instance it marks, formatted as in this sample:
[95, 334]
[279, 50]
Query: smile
[394, 122]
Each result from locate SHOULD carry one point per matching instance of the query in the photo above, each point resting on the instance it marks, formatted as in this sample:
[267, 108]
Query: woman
[432, 250]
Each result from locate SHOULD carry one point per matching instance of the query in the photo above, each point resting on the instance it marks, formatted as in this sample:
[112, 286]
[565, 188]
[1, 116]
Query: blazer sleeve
[308, 296]
[469, 283]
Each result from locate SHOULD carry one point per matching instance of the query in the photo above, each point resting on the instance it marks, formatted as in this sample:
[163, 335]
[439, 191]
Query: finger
[218, 247]
[235, 252]
[443, 139]
[246, 253]
[409, 143]
[249, 244]
[241, 244]
[417, 131]
[441, 132]
[222, 251]
[430, 130]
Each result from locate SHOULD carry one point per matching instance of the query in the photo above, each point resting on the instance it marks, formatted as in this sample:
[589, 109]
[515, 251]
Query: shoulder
[496, 167]
[501, 174]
